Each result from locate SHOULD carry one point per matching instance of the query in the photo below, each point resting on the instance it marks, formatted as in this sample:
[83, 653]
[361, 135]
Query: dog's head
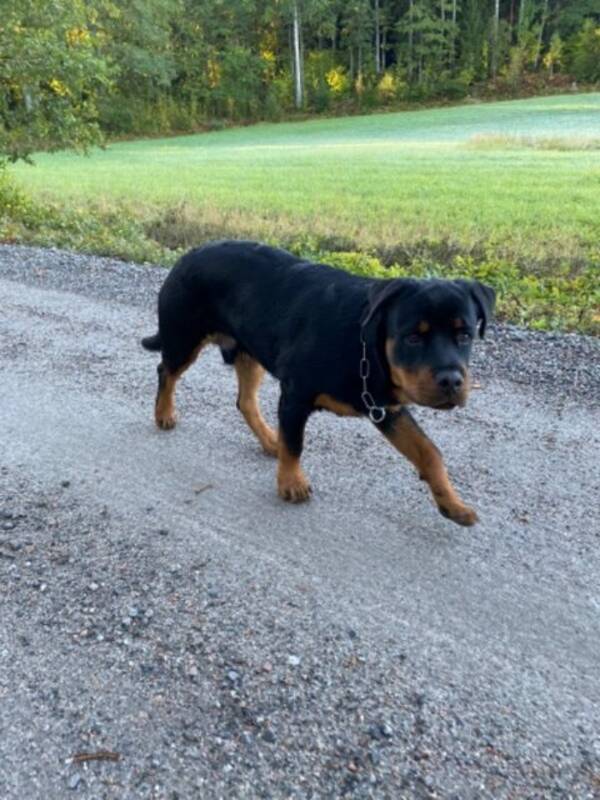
[423, 331]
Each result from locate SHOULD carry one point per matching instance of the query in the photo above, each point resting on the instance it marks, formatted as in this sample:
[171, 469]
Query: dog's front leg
[292, 484]
[402, 431]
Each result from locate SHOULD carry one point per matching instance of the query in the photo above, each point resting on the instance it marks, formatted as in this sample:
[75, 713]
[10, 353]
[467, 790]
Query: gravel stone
[74, 781]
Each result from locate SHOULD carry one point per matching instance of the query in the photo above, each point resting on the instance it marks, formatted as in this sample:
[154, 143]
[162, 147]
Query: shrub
[586, 53]
[387, 88]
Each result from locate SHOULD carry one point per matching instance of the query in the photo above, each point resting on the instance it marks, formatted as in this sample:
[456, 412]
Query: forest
[73, 72]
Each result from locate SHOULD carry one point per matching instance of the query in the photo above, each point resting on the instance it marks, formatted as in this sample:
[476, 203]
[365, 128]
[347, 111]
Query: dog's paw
[166, 422]
[296, 490]
[270, 444]
[462, 515]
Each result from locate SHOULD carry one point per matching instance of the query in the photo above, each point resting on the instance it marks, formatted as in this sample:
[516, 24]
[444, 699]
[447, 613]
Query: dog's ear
[373, 331]
[484, 298]
[382, 292]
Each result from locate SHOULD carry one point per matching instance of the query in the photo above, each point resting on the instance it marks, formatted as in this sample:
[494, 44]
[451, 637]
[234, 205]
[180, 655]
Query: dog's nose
[450, 380]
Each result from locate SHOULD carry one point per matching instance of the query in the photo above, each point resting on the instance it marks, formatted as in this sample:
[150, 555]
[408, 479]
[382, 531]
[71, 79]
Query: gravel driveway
[163, 610]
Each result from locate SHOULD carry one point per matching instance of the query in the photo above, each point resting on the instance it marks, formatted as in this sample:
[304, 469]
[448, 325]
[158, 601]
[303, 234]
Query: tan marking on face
[419, 385]
[458, 323]
[329, 403]
[424, 327]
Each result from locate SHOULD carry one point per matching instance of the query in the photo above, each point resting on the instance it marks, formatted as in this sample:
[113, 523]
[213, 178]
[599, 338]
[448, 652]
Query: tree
[586, 53]
[137, 39]
[472, 38]
[571, 14]
[426, 28]
[554, 55]
[357, 33]
[50, 76]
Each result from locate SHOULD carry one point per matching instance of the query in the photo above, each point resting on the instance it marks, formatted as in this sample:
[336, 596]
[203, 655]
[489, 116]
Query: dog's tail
[152, 343]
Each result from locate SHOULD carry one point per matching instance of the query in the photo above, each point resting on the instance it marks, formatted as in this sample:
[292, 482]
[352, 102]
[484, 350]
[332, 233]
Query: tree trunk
[377, 40]
[541, 35]
[410, 40]
[521, 19]
[298, 77]
[496, 38]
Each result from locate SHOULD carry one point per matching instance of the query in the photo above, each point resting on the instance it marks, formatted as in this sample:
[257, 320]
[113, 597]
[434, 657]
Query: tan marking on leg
[329, 403]
[406, 436]
[164, 410]
[292, 484]
[250, 374]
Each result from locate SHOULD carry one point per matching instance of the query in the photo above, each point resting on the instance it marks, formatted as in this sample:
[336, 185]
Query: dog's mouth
[426, 399]
[445, 406]
[421, 389]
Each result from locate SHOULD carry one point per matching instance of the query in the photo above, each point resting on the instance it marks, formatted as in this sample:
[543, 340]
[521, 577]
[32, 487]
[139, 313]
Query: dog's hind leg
[170, 369]
[250, 374]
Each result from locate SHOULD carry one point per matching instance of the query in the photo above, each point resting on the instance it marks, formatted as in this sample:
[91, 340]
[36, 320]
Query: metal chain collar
[376, 413]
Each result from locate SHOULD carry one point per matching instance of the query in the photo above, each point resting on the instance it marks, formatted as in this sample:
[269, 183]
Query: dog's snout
[450, 380]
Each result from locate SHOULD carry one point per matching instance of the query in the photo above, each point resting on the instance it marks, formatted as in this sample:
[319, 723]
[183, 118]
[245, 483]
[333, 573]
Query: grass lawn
[507, 192]
[466, 179]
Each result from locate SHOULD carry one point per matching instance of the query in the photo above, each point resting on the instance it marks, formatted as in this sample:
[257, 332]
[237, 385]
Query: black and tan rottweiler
[355, 346]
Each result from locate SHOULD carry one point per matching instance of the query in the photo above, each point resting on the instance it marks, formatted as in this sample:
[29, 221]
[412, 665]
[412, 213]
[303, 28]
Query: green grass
[512, 184]
[401, 184]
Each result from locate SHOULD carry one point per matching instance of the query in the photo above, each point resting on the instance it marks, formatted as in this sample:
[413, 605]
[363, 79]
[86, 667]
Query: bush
[586, 53]
[14, 204]
[451, 88]
[549, 302]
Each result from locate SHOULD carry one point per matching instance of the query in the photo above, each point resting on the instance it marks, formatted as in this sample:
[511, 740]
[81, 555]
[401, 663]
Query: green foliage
[553, 59]
[15, 205]
[237, 92]
[70, 68]
[474, 29]
[550, 302]
[586, 53]
[111, 232]
[573, 15]
[50, 77]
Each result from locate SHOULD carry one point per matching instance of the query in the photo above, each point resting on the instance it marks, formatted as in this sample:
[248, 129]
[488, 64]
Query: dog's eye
[414, 338]
[463, 337]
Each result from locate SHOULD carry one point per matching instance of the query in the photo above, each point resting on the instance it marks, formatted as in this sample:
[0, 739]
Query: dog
[355, 346]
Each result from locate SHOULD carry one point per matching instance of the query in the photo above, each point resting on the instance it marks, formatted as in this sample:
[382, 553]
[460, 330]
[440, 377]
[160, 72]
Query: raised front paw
[462, 515]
